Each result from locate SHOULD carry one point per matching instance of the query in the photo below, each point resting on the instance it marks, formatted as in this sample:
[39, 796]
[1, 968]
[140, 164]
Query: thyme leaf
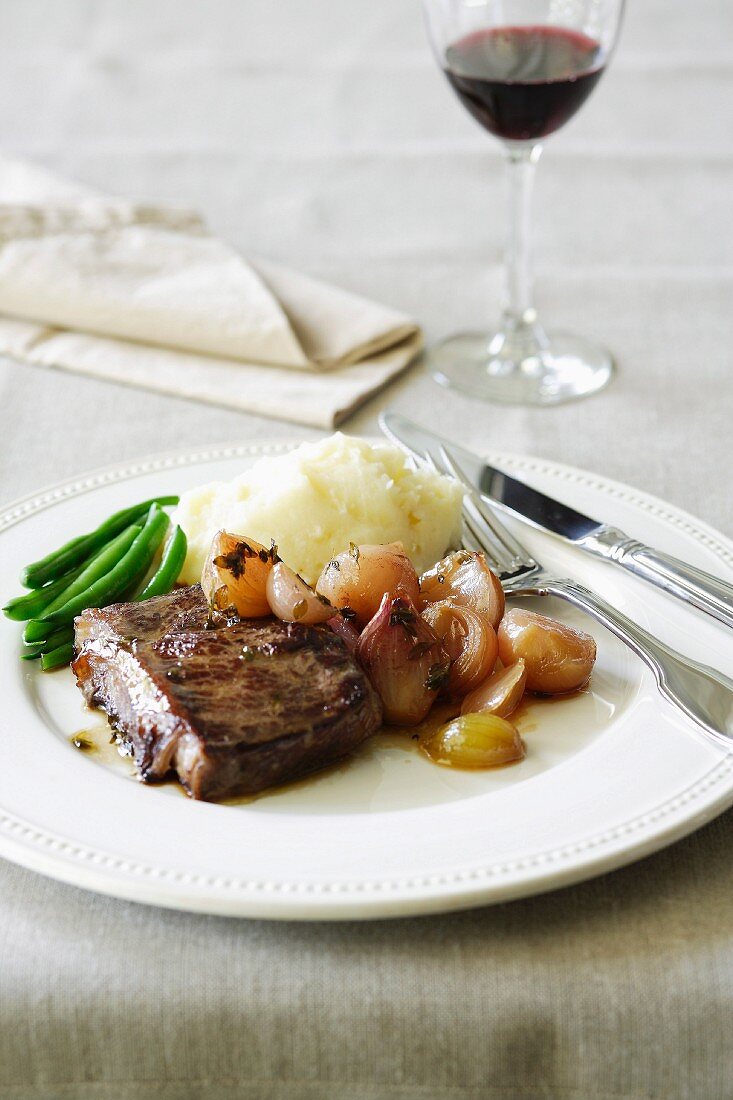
[437, 676]
[235, 562]
[400, 615]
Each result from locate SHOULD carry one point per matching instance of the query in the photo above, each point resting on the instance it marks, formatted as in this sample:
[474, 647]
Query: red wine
[523, 83]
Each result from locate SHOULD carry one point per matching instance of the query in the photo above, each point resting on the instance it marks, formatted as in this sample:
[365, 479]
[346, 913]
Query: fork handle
[701, 692]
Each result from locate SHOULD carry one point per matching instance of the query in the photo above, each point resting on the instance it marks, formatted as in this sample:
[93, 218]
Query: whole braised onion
[346, 631]
[359, 578]
[468, 639]
[404, 661]
[475, 741]
[234, 578]
[464, 578]
[558, 659]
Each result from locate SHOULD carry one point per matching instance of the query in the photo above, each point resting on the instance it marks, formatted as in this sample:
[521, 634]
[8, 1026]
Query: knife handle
[692, 585]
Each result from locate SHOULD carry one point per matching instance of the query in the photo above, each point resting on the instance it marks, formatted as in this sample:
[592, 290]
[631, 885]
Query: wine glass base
[563, 368]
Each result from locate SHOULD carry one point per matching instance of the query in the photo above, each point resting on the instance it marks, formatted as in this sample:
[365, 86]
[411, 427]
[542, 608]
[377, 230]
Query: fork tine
[481, 537]
[499, 558]
[474, 541]
[509, 552]
[478, 540]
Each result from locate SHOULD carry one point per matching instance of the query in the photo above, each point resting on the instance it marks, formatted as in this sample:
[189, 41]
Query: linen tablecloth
[323, 136]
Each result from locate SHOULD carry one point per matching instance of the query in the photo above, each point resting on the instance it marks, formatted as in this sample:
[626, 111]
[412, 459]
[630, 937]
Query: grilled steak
[231, 709]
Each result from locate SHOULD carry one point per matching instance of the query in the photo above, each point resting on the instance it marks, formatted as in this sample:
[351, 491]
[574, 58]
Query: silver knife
[692, 585]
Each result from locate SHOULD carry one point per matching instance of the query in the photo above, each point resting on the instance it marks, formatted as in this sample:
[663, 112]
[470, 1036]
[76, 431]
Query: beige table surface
[319, 133]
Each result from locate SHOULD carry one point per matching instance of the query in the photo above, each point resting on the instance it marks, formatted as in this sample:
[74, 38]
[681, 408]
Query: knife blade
[688, 583]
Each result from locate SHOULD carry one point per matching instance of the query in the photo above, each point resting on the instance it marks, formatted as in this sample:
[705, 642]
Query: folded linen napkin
[144, 295]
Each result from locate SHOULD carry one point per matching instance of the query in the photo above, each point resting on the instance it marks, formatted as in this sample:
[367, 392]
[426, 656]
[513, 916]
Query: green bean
[161, 582]
[167, 572]
[55, 658]
[58, 637]
[31, 604]
[137, 578]
[97, 568]
[61, 561]
[109, 587]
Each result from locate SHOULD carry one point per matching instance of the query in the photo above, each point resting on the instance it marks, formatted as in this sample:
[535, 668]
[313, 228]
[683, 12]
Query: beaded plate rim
[24, 837]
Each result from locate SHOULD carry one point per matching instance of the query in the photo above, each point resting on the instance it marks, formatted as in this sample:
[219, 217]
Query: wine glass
[522, 68]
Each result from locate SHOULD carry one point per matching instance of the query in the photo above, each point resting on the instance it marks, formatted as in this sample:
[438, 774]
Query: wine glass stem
[520, 317]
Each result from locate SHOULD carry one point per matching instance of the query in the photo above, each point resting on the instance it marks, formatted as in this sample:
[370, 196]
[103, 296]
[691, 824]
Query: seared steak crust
[230, 709]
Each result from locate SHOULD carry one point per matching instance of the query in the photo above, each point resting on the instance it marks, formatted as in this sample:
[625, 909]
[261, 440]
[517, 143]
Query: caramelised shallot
[469, 640]
[558, 659]
[235, 573]
[404, 661]
[464, 577]
[359, 578]
[346, 631]
[500, 694]
[475, 741]
[292, 600]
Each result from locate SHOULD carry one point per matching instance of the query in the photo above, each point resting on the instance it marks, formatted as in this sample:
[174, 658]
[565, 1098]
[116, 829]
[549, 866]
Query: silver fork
[701, 692]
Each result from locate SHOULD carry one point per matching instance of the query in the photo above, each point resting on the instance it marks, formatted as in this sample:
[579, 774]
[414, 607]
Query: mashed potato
[317, 499]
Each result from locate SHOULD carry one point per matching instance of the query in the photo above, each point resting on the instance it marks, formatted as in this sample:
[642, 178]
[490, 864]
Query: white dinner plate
[610, 775]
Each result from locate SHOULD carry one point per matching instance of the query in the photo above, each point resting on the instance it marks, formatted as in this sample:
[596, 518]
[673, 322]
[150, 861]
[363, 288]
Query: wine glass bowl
[522, 68]
[522, 83]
